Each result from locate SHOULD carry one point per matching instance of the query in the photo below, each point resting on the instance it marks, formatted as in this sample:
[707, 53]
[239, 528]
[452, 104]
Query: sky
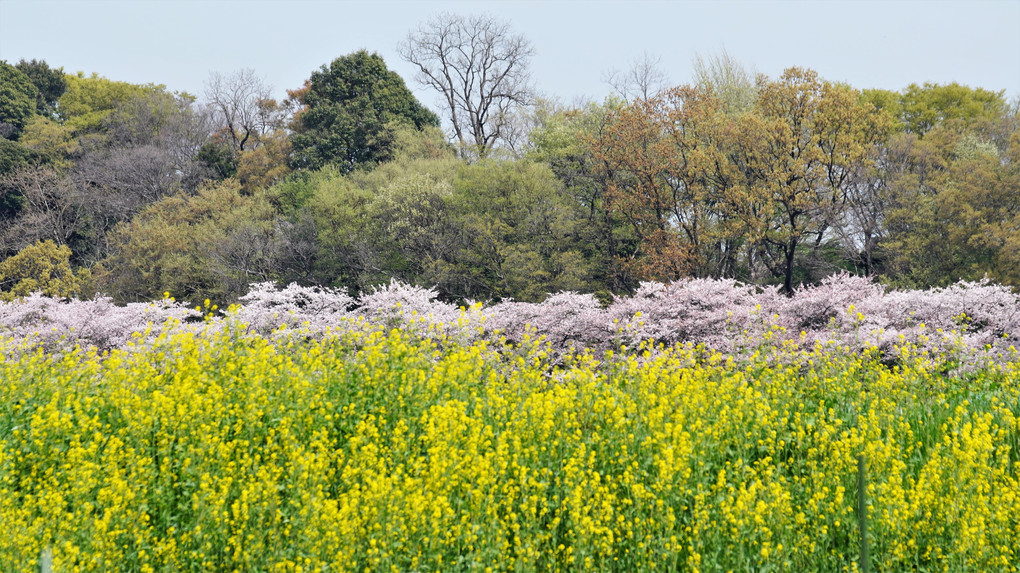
[868, 44]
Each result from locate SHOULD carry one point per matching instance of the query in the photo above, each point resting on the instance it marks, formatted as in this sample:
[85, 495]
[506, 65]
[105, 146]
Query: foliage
[952, 208]
[50, 83]
[143, 150]
[89, 99]
[52, 142]
[563, 139]
[519, 231]
[147, 149]
[212, 244]
[413, 215]
[826, 133]
[17, 100]
[43, 267]
[488, 230]
[218, 159]
[13, 155]
[348, 106]
[888, 102]
[662, 190]
[712, 192]
[924, 107]
[767, 181]
[112, 149]
[261, 167]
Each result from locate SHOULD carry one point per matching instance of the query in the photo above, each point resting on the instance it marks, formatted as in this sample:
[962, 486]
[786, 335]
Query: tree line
[135, 190]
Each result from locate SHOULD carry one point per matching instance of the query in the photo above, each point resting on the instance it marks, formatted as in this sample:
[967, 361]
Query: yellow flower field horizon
[382, 451]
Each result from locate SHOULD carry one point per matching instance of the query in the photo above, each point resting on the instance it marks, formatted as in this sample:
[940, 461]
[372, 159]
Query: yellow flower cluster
[380, 451]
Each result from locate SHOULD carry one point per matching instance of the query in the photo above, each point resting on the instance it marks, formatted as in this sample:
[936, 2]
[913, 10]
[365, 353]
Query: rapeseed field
[376, 450]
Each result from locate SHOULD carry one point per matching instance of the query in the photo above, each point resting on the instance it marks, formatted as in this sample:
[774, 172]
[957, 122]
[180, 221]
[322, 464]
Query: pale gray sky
[884, 44]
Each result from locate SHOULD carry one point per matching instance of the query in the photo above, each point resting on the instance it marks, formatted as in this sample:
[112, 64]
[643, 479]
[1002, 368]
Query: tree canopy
[18, 97]
[351, 182]
[50, 82]
[351, 108]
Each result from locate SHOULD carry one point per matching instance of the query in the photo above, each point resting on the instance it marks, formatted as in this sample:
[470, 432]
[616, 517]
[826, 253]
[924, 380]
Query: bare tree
[644, 80]
[244, 108]
[169, 122]
[148, 153]
[52, 208]
[480, 67]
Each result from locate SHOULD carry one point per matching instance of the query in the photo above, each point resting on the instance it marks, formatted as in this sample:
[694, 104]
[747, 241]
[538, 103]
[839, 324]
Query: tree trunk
[788, 272]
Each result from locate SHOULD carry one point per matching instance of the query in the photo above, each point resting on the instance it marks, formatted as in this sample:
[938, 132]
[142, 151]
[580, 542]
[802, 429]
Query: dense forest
[137, 190]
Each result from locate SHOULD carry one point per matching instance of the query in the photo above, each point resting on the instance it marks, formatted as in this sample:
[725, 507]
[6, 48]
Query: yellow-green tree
[814, 135]
[954, 212]
[43, 267]
[924, 107]
[88, 100]
[209, 245]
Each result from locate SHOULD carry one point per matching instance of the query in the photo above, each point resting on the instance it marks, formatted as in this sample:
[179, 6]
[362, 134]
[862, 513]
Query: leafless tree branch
[479, 67]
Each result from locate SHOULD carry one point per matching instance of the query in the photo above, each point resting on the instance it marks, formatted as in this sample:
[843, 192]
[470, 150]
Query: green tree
[488, 230]
[12, 156]
[519, 233]
[50, 82]
[416, 237]
[349, 105]
[17, 100]
[353, 248]
[345, 256]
